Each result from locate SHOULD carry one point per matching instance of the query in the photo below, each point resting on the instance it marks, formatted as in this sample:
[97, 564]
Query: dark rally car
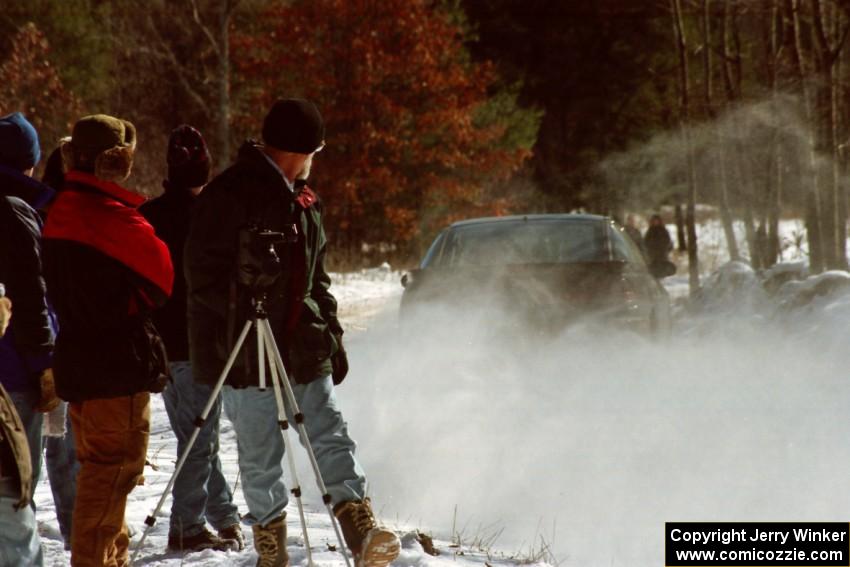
[545, 270]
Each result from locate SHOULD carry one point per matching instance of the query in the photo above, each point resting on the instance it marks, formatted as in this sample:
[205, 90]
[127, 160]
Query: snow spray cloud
[737, 150]
[593, 440]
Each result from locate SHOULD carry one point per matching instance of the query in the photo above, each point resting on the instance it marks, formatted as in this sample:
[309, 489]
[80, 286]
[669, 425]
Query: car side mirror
[662, 269]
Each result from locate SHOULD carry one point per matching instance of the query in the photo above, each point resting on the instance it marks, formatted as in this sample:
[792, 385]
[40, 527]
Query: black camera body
[258, 263]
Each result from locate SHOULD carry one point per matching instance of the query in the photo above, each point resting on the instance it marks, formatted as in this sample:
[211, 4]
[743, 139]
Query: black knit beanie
[294, 125]
[188, 159]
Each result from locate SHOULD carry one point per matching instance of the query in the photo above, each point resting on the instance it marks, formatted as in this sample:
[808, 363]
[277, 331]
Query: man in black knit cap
[200, 493]
[265, 189]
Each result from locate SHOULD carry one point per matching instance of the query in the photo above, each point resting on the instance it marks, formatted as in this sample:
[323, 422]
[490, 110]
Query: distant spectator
[657, 241]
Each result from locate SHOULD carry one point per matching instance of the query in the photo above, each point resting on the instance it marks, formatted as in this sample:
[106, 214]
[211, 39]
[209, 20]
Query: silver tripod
[267, 353]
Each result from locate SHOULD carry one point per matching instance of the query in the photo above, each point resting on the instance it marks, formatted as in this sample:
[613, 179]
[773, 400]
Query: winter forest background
[444, 109]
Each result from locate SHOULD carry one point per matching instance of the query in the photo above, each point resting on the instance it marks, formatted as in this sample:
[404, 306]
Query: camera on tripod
[259, 265]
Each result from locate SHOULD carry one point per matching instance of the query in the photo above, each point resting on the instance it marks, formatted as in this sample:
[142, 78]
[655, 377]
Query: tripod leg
[199, 422]
[261, 355]
[299, 422]
[284, 427]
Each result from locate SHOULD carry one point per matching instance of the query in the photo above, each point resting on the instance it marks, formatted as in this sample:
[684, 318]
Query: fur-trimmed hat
[294, 125]
[188, 159]
[19, 148]
[102, 145]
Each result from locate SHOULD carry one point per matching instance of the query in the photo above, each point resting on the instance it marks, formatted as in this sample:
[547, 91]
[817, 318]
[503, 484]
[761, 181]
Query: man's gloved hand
[5, 314]
[47, 400]
[339, 361]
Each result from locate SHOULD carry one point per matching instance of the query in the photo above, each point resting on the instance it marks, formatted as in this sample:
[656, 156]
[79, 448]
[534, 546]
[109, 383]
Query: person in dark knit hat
[106, 271]
[201, 493]
[266, 188]
[26, 348]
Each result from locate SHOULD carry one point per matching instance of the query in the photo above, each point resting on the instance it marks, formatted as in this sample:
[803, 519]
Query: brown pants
[111, 438]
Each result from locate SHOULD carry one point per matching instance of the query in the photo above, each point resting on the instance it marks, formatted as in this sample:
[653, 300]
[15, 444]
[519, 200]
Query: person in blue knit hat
[26, 348]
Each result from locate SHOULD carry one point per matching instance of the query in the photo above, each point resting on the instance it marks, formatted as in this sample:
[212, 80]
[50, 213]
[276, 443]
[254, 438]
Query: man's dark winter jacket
[25, 350]
[302, 311]
[170, 215]
[105, 271]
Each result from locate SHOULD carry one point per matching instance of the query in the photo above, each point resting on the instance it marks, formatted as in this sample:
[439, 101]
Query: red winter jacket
[105, 271]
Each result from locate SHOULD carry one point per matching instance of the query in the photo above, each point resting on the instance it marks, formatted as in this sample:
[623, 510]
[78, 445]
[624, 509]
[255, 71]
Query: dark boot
[270, 543]
[199, 542]
[372, 546]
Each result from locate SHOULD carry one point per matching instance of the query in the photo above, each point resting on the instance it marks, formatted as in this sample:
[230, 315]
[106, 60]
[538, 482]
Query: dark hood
[13, 183]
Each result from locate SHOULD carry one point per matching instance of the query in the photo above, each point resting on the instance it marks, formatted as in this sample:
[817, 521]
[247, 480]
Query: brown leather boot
[233, 533]
[372, 546]
[270, 543]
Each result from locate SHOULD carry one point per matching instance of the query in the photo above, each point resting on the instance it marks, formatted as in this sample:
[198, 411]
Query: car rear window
[524, 242]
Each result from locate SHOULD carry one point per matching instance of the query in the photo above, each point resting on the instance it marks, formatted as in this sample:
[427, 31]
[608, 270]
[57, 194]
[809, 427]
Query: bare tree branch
[179, 70]
[829, 54]
[206, 31]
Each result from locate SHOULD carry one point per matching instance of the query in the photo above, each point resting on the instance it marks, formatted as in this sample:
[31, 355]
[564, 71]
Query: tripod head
[258, 263]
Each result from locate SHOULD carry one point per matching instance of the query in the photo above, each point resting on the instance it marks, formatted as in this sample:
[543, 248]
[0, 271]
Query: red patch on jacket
[306, 198]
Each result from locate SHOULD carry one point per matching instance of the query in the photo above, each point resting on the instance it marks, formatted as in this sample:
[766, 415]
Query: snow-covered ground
[361, 295]
[583, 444]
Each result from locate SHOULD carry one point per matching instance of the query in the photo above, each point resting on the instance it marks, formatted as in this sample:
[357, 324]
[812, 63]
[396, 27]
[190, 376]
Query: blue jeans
[19, 541]
[200, 491]
[62, 468]
[261, 450]
[18, 530]
[25, 403]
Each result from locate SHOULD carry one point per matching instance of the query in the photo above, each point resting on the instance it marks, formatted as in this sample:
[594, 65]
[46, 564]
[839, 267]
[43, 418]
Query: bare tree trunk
[839, 199]
[775, 195]
[732, 76]
[824, 123]
[839, 169]
[752, 239]
[684, 121]
[830, 41]
[725, 214]
[681, 241]
[813, 217]
[219, 40]
[224, 83]
[841, 155]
